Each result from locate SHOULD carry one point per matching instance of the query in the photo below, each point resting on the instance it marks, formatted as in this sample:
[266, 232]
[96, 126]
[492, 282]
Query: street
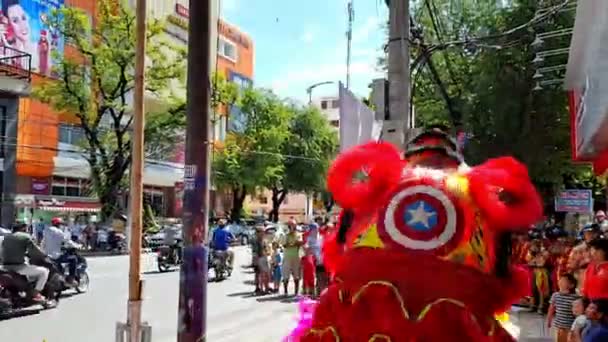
[233, 314]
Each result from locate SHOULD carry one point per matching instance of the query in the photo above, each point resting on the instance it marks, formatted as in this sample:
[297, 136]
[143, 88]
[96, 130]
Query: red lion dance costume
[423, 247]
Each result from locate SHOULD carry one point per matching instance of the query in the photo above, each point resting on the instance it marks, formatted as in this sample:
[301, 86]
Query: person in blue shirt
[222, 237]
[597, 313]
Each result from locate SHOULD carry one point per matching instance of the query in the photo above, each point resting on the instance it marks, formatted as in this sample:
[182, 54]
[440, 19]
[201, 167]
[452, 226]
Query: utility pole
[134, 324]
[396, 128]
[193, 275]
[349, 39]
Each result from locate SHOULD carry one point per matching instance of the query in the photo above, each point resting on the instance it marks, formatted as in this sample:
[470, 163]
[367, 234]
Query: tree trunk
[278, 196]
[239, 193]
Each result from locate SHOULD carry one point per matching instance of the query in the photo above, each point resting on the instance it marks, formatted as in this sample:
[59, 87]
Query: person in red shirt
[308, 272]
[596, 275]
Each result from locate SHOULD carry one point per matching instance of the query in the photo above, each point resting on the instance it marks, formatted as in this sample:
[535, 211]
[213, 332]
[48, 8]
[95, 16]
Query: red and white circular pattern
[421, 217]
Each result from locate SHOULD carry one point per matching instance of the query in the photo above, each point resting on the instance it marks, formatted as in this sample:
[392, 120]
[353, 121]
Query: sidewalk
[532, 325]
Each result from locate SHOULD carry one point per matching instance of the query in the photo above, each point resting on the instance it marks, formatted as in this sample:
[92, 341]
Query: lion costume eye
[422, 217]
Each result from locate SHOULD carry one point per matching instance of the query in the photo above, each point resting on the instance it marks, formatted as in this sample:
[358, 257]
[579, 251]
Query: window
[154, 197]
[73, 187]
[70, 134]
[263, 199]
[323, 104]
[335, 104]
[227, 49]
[335, 123]
[219, 129]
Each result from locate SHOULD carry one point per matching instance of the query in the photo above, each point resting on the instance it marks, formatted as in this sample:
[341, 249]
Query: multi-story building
[330, 106]
[42, 173]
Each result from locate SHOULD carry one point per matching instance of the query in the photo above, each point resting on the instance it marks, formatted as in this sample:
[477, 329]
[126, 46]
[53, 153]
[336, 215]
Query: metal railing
[123, 333]
[15, 63]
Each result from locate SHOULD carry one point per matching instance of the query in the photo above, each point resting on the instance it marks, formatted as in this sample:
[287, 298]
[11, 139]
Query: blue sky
[299, 43]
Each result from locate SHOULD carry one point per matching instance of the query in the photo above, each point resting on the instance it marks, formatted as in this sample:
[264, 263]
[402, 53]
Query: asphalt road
[233, 313]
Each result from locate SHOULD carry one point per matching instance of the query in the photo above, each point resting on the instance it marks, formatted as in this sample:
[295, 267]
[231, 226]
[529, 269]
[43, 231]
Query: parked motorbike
[81, 278]
[16, 291]
[218, 261]
[167, 258]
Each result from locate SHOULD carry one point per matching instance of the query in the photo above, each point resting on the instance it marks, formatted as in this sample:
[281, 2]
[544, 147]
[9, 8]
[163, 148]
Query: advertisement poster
[41, 186]
[574, 201]
[24, 27]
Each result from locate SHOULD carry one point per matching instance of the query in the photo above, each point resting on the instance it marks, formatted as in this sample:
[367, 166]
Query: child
[560, 310]
[308, 272]
[578, 309]
[277, 261]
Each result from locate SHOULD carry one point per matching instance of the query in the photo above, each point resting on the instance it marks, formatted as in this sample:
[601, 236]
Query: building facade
[43, 174]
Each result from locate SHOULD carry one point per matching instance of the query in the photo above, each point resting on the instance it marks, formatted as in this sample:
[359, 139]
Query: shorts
[292, 268]
[263, 264]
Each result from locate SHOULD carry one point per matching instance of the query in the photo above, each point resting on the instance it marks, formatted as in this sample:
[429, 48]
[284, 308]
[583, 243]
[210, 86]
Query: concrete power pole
[396, 128]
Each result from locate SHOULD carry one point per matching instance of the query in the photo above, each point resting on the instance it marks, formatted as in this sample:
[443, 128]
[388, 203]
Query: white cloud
[362, 33]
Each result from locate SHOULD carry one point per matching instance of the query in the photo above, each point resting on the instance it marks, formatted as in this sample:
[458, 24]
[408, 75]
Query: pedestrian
[560, 314]
[277, 261]
[39, 230]
[292, 245]
[596, 275]
[578, 309]
[596, 329]
[538, 261]
[308, 272]
[261, 252]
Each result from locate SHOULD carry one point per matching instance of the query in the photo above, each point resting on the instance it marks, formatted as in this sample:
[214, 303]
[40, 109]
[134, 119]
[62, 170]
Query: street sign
[574, 201]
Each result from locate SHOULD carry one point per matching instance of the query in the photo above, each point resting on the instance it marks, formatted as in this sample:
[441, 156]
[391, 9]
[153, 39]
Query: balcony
[15, 71]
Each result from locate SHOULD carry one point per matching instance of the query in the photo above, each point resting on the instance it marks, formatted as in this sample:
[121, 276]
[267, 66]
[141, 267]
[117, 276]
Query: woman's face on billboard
[19, 23]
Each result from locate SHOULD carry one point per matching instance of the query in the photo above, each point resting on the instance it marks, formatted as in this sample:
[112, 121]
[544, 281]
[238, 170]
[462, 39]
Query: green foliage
[149, 220]
[491, 84]
[252, 158]
[308, 151]
[97, 88]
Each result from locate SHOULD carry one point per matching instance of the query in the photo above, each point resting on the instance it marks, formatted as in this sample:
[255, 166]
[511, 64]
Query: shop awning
[70, 209]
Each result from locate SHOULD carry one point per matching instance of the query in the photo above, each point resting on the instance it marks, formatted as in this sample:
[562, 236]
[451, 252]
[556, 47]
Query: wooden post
[137, 167]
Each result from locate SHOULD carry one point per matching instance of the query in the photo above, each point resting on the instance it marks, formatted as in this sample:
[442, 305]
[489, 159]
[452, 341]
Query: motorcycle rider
[15, 248]
[222, 237]
[173, 242]
[52, 243]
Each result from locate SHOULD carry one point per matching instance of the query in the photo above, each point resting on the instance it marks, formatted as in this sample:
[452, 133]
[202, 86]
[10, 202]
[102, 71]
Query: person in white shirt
[53, 240]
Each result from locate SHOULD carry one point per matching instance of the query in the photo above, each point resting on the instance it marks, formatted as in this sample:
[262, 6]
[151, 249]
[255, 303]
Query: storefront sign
[53, 202]
[40, 186]
[182, 15]
[574, 201]
[40, 39]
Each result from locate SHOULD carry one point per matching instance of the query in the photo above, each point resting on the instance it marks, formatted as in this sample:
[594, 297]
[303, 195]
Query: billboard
[574, 201]
[24, 26]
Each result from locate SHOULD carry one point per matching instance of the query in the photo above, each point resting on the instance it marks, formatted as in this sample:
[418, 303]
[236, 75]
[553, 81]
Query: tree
[96, 87]
[491, 86]
[308, 150]
[252, 158]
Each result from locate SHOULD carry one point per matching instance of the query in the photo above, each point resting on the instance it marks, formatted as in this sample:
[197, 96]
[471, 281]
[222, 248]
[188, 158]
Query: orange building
[41, 175]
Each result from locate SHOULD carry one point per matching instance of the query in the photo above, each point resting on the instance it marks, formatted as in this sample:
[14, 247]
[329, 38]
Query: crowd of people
[569, 278]
[293, 256]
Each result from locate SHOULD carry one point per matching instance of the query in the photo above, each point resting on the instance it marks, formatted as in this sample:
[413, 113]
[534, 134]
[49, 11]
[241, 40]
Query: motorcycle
[218, 261]
[167, 258]
[81, 277]
[16, 290]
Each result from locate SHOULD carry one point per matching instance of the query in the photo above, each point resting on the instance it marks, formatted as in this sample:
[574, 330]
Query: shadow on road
[279, 298]
[244, 294]
[19, 313]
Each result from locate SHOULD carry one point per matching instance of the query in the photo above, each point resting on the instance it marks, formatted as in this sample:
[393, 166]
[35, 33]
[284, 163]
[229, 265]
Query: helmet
[593, 227]
[56, 221]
